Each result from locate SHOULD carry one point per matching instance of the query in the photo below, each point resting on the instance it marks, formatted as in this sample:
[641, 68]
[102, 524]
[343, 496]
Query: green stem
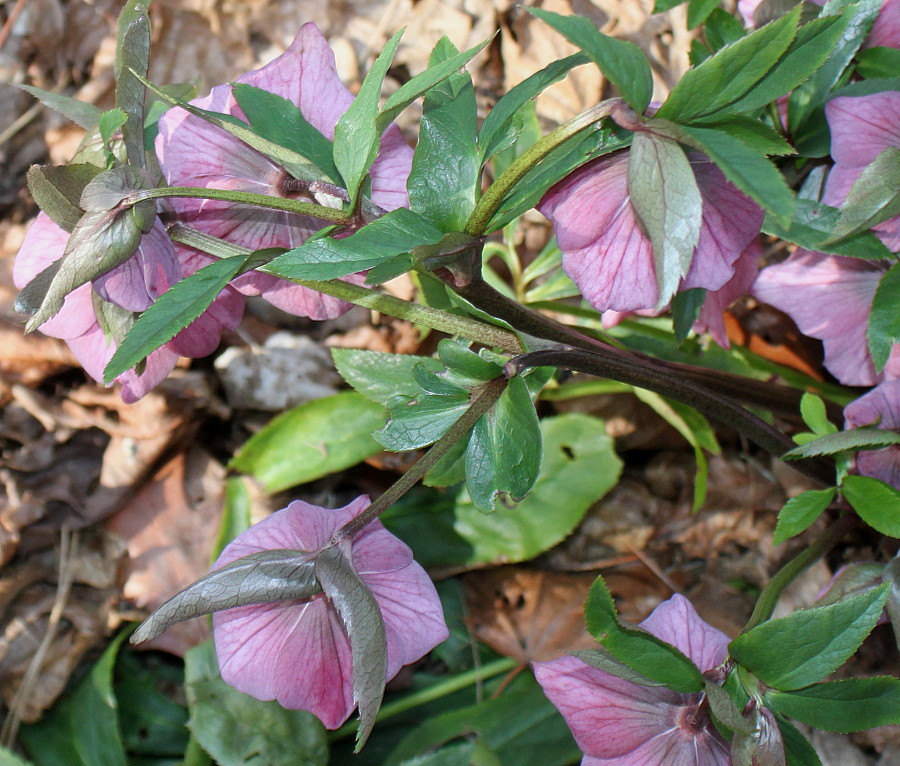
[246, 198]
[432, 693]
[425, 316]
[490, 392]
[490, 201]
[765, 605]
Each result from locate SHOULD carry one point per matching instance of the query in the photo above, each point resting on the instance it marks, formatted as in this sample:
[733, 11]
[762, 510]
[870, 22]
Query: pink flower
[711, 318]
[298, 651]
[132, 286]
[619, 722]
[862, 127]
[192, 152]
[608, 255]
[881, 407]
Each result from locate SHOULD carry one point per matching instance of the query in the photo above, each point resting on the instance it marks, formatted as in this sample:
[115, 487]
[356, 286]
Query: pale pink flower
[610, 258]
[193, 152]
[298, 651]
[133, 286]
[620, 722]
[881, 407]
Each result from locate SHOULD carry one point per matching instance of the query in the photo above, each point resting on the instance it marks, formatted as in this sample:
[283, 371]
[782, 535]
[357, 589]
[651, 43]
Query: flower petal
[711, 317]
[863, 126]
[677, 623]
[882, 406]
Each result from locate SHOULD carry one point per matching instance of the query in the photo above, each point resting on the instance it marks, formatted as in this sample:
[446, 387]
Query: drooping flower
[298, 651]
[608, 255]
[620, 722]
[193, 152]
[881, 407]
[132, 286]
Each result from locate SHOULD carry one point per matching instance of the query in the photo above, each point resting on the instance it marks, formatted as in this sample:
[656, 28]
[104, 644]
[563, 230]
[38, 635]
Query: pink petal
[886, 29]
[837, 187]
[711, 318]
[202, 336]
[863, 126]
[677, 623]
[829, 298]
[882, 406]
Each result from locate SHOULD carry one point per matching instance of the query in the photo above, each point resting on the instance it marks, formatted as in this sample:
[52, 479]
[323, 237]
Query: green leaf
[850, 705]
[603, 660]
[806, 53]
[132, 62]
[844, 441]
[621, 62]
[520, 727]
[235, 514]
[313, 440]
[82, 728]
[496, 131]
[814, 414]
[362, 621]
[578, 467]
[171, 313]
[504, 453]
[797, 749]
[420, 421]
[465, 366]
[729, 75]
[722, 28]
[443, 182]
[801, 511]
[874, 196]
[278, 120]
[754, 134]
[806, 118]
[877, 503]
[878, 62]
[380, 376]
[357, 133]
[699, 10]
[57, 191]
[641, 651]
[791, 652]
[812, 228]
[661, 6]
[884, 322]
[9, 758]
[325, 258]
[237, 729]
[80, 112]
[762, 745]
[666, 199]
[110, 124]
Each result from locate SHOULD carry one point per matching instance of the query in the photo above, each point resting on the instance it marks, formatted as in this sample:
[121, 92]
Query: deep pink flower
[881, 407]
[711, 318]
[133, 286]
[192, 152]
[619, 722]
[829, 297]
[297, 651]
[606, 252]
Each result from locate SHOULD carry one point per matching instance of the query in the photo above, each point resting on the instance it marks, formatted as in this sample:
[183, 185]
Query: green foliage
[877, 503]
[884, 322]
[850, 705]
[801, 511]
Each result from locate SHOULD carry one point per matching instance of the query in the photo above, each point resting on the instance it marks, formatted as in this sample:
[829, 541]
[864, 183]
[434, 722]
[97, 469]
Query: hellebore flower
[608, 255]
[298, 652]
[881, 407]
[620, 722]
[193, 152]
[131, 286]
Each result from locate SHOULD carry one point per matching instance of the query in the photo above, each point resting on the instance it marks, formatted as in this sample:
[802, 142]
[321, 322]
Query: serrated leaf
[698, 12]
[883, 330]
[174, 310]
[665, 196]
[361, 617]
[850, 705]
[357, 133]
[379, 376]
[57, 191]
[30, 297]
[420, 421]
[325, 258]
[603, 660]
[878, 62]
[801, 511]
[844, 441]
[132, 62]
[874, 196]
[258, 578]
[754, 134]
[877, 503]
[730, 73]
[494, 135]
[621, 62]
[237, 729]
[80, 112]
[722, 28]
[819, 641]
[504, 453]
[313, 440]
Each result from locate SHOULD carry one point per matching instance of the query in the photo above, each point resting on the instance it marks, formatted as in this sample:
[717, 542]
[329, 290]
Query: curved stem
[490, 201]
[310, 209]
[490, 392]
[767, 600]
[426, 316]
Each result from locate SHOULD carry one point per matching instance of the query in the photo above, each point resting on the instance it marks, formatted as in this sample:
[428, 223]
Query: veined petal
[677, 623]
[711, 317]
[882, 406]
[862, 127]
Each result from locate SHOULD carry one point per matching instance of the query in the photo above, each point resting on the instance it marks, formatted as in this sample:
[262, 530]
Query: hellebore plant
[283, 185]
